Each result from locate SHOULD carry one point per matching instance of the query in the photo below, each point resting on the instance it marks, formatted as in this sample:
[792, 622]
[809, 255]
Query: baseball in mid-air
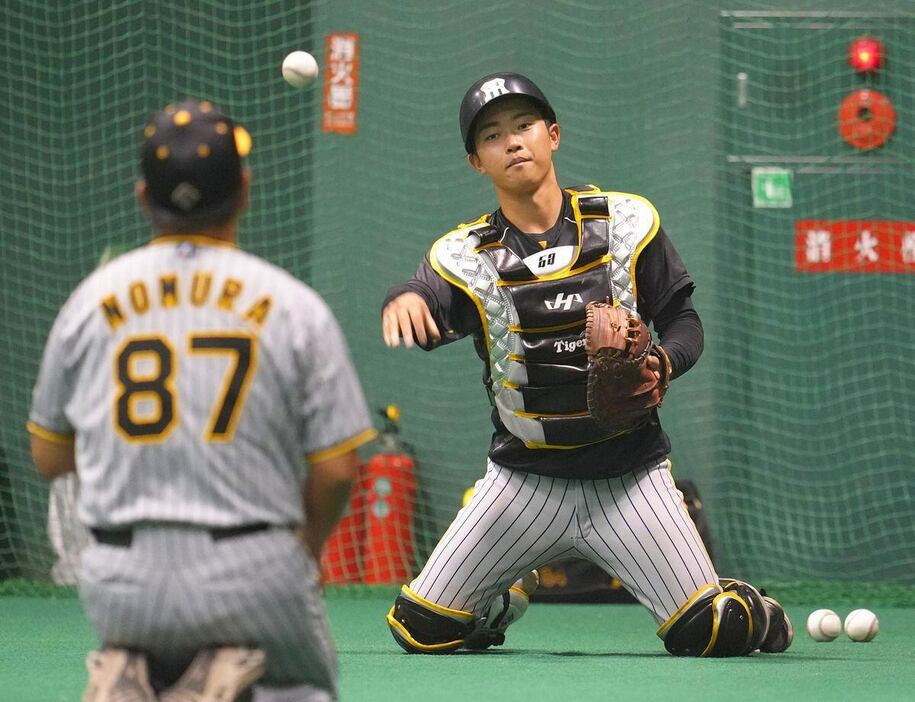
[824, 625]
[861, 625]
[300, 69]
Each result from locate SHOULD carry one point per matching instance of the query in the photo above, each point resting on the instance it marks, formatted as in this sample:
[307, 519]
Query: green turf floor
[562, 653]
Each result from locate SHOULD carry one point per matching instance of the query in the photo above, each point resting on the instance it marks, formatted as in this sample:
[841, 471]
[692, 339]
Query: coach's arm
[53, 458]
[327, 490]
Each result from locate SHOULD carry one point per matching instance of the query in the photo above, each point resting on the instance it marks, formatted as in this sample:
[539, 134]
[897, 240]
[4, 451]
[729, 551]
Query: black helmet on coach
[491, 88]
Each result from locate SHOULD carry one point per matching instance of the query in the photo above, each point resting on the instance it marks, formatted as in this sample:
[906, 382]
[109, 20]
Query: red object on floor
[390, 499]
[341, 562]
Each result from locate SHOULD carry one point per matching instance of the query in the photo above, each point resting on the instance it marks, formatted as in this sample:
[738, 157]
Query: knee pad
[712, 623]
[421, 626]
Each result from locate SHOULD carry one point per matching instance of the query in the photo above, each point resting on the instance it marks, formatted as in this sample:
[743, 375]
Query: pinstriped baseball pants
[176, 590]
[635, 527]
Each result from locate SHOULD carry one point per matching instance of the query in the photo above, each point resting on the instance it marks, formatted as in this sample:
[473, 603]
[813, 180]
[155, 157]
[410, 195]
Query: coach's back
[199, 368]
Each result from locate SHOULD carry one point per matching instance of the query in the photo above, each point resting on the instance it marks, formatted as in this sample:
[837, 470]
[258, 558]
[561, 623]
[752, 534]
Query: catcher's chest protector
[533, 310]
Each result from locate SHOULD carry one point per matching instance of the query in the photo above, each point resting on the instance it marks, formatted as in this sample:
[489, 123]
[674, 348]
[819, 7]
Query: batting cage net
[783, 175]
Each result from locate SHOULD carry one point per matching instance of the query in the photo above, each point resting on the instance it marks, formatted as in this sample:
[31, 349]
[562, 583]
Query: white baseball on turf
[824, 625]
[861, 625]
[300, 69]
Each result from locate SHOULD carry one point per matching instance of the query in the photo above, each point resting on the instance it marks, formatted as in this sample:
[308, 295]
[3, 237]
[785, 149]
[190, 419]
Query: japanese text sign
[341, 82]
[854, 246]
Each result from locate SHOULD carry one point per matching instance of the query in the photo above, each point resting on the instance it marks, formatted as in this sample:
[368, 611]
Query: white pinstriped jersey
[196, 378]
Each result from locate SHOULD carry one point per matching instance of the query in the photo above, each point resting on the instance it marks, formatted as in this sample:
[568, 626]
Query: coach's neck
[227, 231]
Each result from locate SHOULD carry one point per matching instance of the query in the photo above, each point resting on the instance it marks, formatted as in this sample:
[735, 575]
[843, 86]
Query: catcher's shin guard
[118, 675]
[218, 675]
[504, 611]
[421, 626]
[781, 632]
[759, 611]
[712, 623]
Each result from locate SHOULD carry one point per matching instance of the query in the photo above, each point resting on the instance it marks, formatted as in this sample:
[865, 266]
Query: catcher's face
[515, 145]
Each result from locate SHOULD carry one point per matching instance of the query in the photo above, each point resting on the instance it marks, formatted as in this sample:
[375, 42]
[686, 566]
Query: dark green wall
[641, 90]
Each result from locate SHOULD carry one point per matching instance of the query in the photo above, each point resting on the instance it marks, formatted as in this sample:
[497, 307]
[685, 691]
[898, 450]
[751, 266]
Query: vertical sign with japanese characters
[341, 82]
[854, 246]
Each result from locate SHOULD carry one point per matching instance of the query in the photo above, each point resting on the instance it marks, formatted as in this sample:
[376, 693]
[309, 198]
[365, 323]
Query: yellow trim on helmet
[48, 435]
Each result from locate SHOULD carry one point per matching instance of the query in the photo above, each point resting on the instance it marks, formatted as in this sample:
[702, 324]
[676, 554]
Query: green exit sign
[771, 187]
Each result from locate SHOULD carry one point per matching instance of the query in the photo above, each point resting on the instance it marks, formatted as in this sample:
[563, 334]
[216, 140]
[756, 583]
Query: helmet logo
[185, 196]
[492, 89]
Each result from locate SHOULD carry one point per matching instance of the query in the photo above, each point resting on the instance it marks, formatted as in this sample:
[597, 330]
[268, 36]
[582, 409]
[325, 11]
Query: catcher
[559, 288]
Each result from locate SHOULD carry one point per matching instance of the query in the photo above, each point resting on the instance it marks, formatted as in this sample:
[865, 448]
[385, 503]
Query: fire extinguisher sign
[854, 246]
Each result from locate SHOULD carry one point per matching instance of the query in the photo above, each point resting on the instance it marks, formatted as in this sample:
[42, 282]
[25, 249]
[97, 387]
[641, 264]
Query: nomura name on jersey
[170, 291]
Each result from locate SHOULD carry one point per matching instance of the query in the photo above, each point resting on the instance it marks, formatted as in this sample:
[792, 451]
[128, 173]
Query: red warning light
[865, 54]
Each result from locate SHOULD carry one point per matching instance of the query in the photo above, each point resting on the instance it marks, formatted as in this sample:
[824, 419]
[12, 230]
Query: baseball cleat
[781, 632]
[529, 583]
[218, 675]
[118, 675]
[503, 612]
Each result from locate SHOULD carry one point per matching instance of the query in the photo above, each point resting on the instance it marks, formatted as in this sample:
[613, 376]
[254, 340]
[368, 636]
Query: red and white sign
[341, 82]
[854, 246]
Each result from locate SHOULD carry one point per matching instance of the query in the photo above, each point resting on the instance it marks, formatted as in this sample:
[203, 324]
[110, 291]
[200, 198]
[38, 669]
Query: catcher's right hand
[408, 316]
[628, 373]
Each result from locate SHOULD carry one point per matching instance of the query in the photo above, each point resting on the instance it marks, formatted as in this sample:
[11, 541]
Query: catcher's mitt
[628, 373]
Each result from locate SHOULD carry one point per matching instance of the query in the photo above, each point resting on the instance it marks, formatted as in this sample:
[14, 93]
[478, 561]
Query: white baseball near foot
[861, 625]
[824, 625]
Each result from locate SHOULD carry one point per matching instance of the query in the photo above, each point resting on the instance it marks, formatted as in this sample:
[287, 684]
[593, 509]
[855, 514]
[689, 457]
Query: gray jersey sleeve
[334, 414]
[56, 380]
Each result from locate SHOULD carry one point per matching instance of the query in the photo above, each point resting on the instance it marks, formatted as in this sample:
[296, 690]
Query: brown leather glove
[628, 373]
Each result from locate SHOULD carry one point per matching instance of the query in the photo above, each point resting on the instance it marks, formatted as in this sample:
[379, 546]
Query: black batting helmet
[491, 88]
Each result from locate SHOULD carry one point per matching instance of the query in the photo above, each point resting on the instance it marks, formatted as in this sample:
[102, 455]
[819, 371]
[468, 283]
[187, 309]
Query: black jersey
[664, 291]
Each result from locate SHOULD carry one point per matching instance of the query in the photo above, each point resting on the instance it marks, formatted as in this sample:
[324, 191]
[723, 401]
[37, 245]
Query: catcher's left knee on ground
[421, 626]
[712, 623]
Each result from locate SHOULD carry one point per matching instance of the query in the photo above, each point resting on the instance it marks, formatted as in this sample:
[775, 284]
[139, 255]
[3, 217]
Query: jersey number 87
[157, 386]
